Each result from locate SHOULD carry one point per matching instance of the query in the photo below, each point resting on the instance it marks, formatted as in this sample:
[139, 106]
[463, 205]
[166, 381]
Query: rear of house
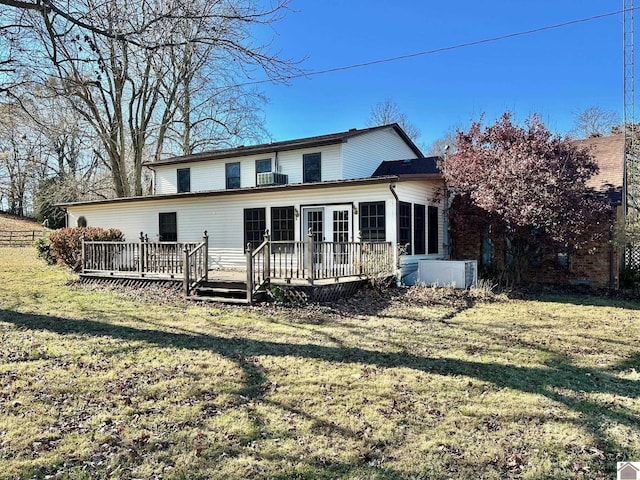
[370, 185]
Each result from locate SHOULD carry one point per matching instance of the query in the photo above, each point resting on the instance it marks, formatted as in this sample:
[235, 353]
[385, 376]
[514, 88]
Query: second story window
[311, 168]
[262, 166]
[184, 180]
[232, 175]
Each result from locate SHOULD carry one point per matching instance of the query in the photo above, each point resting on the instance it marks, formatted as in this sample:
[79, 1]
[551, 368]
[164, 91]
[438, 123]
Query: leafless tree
[595, 122]
[444, 145]
[134, 71]
[386, 112]
[21, 159]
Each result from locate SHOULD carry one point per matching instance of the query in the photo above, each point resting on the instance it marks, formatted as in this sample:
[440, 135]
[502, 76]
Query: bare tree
[386, 112]
[446, 144]
[134, 72]
[22, 163]
[595, 122]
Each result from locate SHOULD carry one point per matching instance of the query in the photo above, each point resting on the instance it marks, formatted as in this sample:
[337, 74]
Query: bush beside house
[66, 243]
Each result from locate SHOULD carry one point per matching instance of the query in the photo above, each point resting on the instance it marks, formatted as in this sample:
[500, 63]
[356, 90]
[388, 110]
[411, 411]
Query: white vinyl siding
[290, 162]
[362, 154]
[425, 193]
[222, 215]
[210, 175]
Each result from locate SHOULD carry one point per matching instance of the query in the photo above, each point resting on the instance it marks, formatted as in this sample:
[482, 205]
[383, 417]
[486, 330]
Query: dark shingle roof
[308, 142]
[415, 166]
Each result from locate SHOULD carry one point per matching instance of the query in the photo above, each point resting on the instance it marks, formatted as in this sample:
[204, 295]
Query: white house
[361, 185]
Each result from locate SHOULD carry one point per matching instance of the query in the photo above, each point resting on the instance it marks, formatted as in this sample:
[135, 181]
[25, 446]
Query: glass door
[313, 222]
[331, 230]
[340, 235]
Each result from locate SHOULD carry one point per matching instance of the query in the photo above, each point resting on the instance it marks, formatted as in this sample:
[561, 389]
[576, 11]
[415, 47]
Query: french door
[328, 224]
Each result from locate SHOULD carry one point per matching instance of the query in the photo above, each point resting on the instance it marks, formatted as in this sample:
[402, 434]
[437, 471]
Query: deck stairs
[224, 291]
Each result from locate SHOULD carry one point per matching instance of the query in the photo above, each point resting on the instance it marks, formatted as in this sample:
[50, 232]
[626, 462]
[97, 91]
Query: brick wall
[592, 265]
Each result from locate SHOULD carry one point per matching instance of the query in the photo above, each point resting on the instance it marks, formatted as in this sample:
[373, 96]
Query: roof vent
[353, 129]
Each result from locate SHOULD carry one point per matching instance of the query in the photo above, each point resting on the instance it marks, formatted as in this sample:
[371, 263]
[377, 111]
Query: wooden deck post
[83, 257]
[186, 281]
[205, 239]
[267, 254]
[309, 256]
[141, 254]
[249, 274]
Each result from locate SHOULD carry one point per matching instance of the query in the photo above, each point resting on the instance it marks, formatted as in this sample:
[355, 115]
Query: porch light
[296, 212]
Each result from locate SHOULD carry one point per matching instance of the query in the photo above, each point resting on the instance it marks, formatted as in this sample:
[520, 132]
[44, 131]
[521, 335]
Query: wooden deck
[285, 264]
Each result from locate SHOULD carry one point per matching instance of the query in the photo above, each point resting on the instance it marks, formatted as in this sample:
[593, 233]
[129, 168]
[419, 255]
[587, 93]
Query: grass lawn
[11, 222]
[95, 384]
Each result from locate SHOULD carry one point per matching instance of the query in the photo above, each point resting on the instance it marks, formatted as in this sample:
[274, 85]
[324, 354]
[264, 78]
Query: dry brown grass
[428, 385]
[11, 222]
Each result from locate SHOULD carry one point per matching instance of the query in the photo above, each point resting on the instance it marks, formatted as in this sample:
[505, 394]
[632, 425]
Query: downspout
[392, 189]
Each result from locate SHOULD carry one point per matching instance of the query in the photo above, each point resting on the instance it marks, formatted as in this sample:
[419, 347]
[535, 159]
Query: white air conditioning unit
[444, 273]
[272, 178]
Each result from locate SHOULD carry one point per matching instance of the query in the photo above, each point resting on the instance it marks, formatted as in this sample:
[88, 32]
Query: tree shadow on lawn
[560, 382]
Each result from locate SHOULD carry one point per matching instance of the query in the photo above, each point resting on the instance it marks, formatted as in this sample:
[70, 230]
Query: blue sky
[555, 73]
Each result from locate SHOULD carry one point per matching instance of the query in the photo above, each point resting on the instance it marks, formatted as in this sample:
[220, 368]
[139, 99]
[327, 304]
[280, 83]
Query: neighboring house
[597, 264]
[370, 185]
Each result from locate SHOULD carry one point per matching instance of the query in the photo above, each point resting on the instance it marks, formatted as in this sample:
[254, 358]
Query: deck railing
[309, 261]
[197, 264]
[257, 267]
[162, 259]
[278, 261]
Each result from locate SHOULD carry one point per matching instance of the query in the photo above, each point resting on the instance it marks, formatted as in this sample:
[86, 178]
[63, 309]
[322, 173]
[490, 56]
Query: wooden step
[224, 284]
[199, 298]
[222, 291]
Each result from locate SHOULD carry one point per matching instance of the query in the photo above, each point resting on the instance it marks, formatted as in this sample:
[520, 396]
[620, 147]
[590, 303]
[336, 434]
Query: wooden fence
[19, 238]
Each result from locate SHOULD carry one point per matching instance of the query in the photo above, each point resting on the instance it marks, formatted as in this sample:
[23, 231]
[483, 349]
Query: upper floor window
[184, 180]
[311, 168]
[232, 174]
[263, 166]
